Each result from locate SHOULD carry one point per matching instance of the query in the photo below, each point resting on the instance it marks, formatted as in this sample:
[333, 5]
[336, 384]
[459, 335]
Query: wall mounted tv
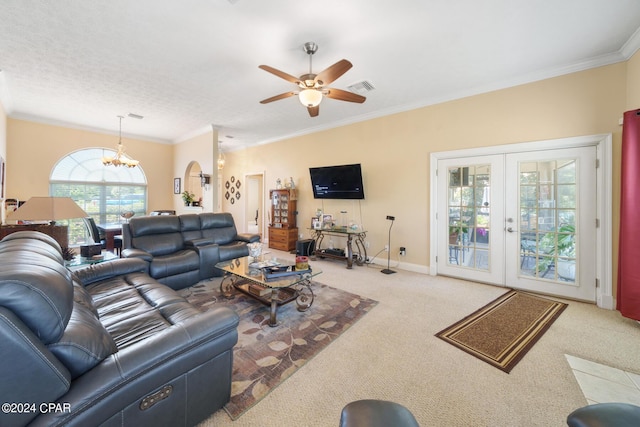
[337, 182]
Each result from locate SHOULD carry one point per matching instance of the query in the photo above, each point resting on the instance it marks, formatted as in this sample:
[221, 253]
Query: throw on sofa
[184, 249]
[107, 345]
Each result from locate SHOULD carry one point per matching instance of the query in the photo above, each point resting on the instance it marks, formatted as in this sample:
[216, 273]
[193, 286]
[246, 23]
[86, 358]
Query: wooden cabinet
[283, 239]
[283, 231]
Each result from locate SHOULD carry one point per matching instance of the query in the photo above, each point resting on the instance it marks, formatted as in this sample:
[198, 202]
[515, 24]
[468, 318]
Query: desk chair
[94, 233]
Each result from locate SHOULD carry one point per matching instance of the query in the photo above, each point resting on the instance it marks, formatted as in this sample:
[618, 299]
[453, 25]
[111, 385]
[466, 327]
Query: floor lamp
[388, 270]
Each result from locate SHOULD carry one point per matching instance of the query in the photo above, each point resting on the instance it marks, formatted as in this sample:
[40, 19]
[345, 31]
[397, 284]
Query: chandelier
[121, 158]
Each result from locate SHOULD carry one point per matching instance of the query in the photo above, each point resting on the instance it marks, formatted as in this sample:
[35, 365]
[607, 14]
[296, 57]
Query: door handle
[511, 230]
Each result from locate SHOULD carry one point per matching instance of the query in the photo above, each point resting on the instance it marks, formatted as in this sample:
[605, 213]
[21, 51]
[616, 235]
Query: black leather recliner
[184, 249]
[106, 345]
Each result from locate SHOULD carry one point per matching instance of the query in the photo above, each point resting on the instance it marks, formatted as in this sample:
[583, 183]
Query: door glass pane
[548, 220]
[469, 208]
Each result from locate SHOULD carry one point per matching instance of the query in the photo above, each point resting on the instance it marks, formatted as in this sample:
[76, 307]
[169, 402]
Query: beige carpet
[266, 356]
[503, 331]
[392, 353]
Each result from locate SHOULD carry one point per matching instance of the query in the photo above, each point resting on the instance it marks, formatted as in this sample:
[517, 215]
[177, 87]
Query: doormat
[503, 331]
[266, 356]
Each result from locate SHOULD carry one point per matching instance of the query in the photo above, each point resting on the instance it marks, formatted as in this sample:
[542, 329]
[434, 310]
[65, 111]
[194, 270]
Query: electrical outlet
[403, 251]
[386, 248]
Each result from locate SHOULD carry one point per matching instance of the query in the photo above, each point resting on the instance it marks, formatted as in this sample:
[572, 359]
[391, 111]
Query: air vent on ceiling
[362, 87]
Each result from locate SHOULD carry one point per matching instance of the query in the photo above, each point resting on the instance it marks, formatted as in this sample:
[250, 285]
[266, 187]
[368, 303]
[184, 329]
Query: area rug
[503, 331]
[266, 356]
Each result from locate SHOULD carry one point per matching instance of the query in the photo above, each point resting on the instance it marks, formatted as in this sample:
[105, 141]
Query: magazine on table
[280, 271]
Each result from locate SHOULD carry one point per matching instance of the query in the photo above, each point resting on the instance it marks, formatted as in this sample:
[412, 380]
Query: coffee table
[247, 275]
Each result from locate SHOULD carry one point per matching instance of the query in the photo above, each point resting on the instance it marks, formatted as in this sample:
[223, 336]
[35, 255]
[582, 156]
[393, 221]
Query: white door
[551, 222]
[470, 218]
[525, 221]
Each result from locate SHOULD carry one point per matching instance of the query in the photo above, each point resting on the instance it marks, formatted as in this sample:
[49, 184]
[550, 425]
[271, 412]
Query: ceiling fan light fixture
[310, 97]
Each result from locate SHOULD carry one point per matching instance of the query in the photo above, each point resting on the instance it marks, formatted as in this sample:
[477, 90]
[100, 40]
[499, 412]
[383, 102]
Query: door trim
[604, 183]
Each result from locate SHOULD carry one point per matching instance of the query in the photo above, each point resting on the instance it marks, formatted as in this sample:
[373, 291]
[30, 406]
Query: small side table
[352, 236]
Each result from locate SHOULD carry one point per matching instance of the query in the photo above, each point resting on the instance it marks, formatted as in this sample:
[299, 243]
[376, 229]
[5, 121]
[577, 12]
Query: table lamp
[47, 209]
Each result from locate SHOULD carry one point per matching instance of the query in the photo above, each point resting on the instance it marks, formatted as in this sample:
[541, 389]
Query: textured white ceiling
[185, 65]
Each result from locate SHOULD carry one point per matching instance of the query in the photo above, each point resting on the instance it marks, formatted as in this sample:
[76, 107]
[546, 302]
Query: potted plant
[564, 251]
[455, 230]
[187, 198]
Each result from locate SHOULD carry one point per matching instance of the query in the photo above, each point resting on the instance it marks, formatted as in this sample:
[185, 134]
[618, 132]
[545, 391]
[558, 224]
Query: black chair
[376, 413]
[605, 415]
[94, 232]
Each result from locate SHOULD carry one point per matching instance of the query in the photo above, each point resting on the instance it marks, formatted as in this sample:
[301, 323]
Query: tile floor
[600, 383]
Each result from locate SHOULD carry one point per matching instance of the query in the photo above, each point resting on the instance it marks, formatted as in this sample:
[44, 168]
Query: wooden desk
[110, 231]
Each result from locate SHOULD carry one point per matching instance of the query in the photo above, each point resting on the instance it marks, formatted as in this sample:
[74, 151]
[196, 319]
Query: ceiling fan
[313, 86]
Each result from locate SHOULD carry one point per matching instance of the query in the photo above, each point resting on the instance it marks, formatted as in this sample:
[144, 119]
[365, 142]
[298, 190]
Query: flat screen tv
[337, 182]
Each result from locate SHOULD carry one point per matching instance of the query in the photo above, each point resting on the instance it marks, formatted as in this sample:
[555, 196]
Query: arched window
[104, 192]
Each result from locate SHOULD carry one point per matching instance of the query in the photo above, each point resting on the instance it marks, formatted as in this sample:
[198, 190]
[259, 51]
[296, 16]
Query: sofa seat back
[157, 235]
[190, 227]
[219, 227]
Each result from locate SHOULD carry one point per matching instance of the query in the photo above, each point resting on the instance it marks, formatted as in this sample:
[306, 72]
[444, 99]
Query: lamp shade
[47, 209]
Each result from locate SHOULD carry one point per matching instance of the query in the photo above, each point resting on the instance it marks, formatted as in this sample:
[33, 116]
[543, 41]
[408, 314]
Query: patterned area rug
[503, 331]
[266, 356]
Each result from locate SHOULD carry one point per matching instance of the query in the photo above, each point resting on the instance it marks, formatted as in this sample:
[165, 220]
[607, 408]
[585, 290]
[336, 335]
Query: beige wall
[33, 149]
[633, 82]
[394, 150]
[202, 150]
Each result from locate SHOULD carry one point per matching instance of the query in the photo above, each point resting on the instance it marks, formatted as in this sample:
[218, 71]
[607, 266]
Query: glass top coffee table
[273, 282]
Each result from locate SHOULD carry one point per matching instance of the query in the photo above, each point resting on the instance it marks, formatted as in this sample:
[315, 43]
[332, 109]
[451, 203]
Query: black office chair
[94, 232]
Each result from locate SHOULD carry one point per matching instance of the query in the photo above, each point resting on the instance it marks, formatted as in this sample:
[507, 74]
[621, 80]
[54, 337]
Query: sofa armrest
[191, 244]
[30, 373]
[248, 238]
[137, 253]
[106, 270]
[209, 256]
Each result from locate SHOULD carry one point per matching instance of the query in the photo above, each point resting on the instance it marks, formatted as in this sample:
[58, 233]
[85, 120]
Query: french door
[524, 220]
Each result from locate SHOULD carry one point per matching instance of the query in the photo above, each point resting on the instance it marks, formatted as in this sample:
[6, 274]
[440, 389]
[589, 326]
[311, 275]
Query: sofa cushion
[81, 296]
[175, 263]
[135, 307]
[233, 250]
[85, 342]
[219, 227]
[157, 235]
[190, 227]
[38, 290]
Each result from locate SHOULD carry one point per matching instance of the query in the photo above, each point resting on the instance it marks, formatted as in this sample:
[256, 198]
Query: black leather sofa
[184, 249]
[105, 345]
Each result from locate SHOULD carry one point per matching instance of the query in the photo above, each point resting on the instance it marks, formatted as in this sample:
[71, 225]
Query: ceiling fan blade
[343, 95]
[281, 74]
[277, 97]
[333, 72]
[314, 111]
